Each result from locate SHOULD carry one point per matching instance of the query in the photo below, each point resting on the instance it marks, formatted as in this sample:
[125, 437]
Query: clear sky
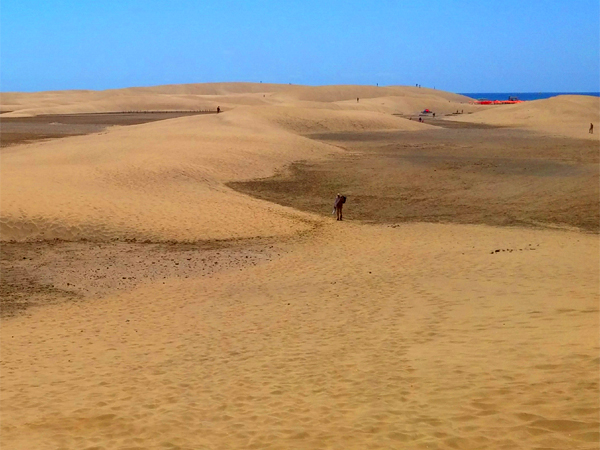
[455, 45]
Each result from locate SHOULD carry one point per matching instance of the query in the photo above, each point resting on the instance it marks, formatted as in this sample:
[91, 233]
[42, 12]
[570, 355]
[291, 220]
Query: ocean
[523, 95]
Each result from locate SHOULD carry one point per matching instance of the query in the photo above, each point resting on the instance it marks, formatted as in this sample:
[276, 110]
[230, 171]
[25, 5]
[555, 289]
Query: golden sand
[349, 336]
[565, 115]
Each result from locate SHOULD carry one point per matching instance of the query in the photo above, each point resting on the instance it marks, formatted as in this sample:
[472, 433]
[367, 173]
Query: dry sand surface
[564, 115]
[154, 181]
[409, 337]
[395, 99]
[181, 283]
[19, 130]
[496, 176]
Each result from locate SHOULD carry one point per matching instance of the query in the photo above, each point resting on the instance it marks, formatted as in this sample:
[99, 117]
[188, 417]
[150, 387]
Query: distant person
[591, 128]
[218, 109]
[433, 114]
[338, 205]
[357, 99]
[420, 120]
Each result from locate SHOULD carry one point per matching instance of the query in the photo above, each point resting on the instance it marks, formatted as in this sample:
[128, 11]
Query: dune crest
[395, 99]
[130, 183]
[165, 180]
[157, 181]
[303, 120]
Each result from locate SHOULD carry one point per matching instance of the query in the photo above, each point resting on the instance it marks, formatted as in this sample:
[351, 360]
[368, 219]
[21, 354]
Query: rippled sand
[416, 336]
[203, 318]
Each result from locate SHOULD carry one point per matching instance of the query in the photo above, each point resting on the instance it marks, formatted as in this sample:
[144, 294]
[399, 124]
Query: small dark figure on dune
[591, 128]
[218, 109]
[338, 205]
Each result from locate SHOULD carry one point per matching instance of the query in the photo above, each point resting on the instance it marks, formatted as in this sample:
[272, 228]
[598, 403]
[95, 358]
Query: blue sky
[459, 46]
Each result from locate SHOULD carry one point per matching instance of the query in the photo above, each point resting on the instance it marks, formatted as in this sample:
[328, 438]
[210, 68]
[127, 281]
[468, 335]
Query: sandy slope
[396, 99]
[416, 336]
[412, 337]
[164, 180]
[157, 181]
[305, 120]
[564, 115]
[170, 97]
[391, 100]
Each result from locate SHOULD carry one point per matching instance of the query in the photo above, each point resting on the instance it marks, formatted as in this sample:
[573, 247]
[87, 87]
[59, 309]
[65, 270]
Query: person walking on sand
[591, 128]
[338, 204]
[218, 109]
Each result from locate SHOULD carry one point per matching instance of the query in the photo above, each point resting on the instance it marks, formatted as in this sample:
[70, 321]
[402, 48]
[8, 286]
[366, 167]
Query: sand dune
[400, 100]
[121, 103]
[564, 115]
[410, 105]
[304, 120]
[341, 93]
[169, 97]
[411, 337]
[131, 183]
[129, 102]
[391, 100]
[346, 335]
[157, 181]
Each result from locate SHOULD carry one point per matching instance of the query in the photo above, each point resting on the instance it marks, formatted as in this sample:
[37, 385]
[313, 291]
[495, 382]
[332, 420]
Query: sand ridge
[228, 96]
[562, 115]
[131, 182]
[304, 120]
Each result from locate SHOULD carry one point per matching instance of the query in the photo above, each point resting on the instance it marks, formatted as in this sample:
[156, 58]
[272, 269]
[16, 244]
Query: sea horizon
[523, 95]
